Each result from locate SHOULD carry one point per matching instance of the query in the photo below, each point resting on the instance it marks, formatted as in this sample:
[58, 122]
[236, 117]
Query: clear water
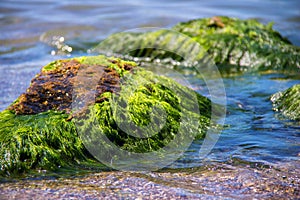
[31, 29]
[252, 133]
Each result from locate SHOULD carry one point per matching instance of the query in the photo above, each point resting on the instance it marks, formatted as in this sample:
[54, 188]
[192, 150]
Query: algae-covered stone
[288, 102]
[235, 45]
[245, 43]
[38, 131]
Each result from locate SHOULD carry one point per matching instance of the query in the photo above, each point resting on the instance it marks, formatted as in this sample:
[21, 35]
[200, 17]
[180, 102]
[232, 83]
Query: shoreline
[217, 182]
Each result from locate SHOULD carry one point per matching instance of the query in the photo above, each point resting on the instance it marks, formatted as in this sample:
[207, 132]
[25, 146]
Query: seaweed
[40, 141]
[288, 102]
[235, 45]
[35, 135]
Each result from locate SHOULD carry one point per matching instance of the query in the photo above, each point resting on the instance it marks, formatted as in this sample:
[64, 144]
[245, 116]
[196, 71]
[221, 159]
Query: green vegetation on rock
[39, 130]
[43, 141]
[138, 106]
[288, 102]
[244, 43]
[235, 45]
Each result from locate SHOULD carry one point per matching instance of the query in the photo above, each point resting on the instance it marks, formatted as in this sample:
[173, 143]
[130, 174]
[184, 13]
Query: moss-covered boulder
[235, 45]
[288, 102]
[40, 129]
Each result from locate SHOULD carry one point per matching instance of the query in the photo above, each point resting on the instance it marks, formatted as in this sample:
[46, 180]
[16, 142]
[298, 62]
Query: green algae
[41, 141]
[117, 64]
[49, 139]
[245, 43]
[138, 107]
[235, 45]
[288, 102]
[161, 44]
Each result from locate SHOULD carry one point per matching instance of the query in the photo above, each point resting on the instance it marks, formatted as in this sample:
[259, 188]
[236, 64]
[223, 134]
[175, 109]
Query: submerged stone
[235, 45]
[38, 131]
[288, 102]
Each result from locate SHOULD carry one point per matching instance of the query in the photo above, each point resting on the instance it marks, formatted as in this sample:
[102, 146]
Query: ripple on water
[254, 133]
[209, 182]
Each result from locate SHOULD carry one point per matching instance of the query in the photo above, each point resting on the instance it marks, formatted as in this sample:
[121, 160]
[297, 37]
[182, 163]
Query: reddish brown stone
[52, 90]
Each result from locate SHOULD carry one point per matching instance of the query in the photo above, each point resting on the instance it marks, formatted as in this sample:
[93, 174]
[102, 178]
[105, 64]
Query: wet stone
[52, 89]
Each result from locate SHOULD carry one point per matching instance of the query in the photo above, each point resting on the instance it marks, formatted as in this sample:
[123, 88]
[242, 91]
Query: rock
[235, 45]
[288, 102]
[40, 129]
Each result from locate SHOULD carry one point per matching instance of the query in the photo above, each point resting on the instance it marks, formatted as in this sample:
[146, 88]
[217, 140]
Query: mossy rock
[38, 131]
[288, 102]
[235, 45]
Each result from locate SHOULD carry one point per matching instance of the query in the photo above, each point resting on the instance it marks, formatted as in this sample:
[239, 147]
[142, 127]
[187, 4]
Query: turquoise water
[252, 133]
[32, 32]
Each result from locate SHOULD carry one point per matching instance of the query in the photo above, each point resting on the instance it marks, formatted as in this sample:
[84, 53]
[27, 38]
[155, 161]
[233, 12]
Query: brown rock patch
[52, 90]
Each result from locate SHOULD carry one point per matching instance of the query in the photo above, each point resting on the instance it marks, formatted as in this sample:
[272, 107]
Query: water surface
[34, 33]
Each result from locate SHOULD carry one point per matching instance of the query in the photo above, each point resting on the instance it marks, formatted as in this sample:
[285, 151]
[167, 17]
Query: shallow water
[37, 32]
[218, 182]
[253, 133]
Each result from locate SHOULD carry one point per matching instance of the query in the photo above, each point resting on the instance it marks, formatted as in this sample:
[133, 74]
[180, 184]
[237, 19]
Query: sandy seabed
[223, 181]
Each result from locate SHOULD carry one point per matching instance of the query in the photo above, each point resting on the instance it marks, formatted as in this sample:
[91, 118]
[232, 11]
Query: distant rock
[235, 45]
[288, 102]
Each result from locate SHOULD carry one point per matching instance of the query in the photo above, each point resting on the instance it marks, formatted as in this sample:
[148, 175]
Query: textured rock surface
[235, 45]
[244, 43]
[288, 102]
[38, 131]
